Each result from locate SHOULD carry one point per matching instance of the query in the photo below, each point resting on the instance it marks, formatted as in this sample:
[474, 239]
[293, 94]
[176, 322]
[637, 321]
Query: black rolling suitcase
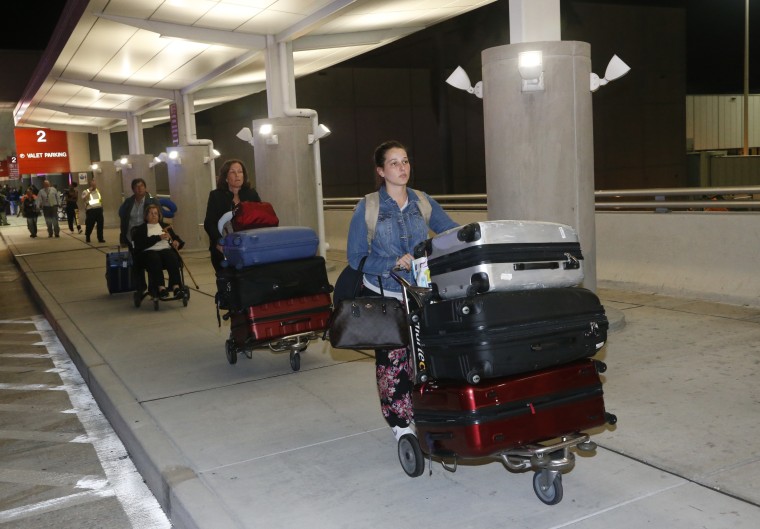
[504, 333]
[255, 285]
[119, 276]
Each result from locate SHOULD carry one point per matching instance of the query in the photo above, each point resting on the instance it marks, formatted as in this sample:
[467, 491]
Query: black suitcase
[254, 285]
[498, 334]
[119, 276]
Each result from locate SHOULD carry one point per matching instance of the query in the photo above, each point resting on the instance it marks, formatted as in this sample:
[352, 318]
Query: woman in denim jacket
[400, 226]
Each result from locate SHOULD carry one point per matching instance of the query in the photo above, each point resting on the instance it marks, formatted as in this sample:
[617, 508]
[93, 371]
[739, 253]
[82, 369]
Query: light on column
[615, 70]
[460, 79]
[530, 64]
[322, 132]
[245, 134]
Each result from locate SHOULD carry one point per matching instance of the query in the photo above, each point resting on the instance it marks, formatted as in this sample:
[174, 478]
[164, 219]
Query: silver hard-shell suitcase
[502, 255]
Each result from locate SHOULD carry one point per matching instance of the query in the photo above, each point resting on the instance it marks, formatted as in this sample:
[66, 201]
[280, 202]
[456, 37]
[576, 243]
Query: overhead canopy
[110, 59]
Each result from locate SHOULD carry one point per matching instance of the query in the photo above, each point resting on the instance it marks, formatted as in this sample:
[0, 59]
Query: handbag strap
[361, 276]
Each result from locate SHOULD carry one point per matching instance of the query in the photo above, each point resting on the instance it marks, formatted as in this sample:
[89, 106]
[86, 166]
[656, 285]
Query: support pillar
[285, 170]
[189, 186]
[539, 145]
[108, 181]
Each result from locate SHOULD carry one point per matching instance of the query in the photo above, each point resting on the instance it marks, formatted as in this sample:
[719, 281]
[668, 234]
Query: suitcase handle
[547, 346]
[553, 265]
[293, 322]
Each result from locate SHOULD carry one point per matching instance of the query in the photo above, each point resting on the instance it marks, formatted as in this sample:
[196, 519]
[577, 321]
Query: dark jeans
[155, 262]
[72, 215]
[31, 223]
[94, 216]
[51, 219]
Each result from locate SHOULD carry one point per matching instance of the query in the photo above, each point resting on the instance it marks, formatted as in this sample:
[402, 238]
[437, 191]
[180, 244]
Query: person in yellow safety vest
[93, 205]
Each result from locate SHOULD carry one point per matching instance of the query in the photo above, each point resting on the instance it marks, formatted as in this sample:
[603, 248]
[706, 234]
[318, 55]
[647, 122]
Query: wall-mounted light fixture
[174, 157]
[322, 132]
[460, 79]
[245, 134]
[123, 162]
[615, 70]
[266, 131]
[96, 168]
[160, 158]
[214, 155]
[530, 64]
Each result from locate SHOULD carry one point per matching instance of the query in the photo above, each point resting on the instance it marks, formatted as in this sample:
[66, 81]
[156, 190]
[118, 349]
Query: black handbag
[368, 322]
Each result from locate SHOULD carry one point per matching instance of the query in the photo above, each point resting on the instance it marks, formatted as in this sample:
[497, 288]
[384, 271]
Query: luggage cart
[282, 325]
[296, 343]
[547, 458]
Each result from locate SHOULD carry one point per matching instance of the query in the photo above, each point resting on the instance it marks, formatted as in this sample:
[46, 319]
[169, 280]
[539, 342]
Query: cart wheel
[295, 361]
[155, 304]
[231, 350]
[550, 495]
[410, 456]
[137, 298]
[185, 296]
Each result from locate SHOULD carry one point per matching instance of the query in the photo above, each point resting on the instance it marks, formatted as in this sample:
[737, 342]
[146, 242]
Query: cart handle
[421, 295]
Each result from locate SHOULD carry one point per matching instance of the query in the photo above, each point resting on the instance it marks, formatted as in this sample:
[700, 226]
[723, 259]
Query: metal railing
[731, 198]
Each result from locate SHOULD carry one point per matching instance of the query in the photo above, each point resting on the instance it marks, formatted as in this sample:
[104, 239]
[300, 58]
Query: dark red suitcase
[269, 321]
[475, 421]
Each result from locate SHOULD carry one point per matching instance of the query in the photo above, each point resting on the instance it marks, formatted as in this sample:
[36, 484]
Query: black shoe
[57, 235]
[101, 240]
[178, 292]
[87, 239]
[80, 231]
[50, 235]
[163, 294]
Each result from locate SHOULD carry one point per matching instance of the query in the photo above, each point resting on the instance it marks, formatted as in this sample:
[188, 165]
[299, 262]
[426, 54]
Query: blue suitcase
[119, 276]
[269, 245]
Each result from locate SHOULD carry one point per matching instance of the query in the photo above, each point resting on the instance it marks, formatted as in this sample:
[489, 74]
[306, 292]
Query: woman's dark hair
[157, 208]
[221, 181]
[379, 158]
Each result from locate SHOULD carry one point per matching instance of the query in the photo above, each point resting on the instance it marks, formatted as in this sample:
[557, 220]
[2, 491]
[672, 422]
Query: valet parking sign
[42, 151]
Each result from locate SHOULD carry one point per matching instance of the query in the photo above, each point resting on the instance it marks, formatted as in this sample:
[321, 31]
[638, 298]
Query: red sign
[173, 123]
[4, 169]
[41, 151]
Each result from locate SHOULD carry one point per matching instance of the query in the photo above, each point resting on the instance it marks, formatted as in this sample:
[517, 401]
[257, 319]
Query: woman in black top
[232, 187]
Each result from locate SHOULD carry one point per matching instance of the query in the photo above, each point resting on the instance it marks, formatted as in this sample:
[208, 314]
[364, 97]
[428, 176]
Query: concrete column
[135, 139]
[539, 145]
[105, 152]
[534, 20]
[189, 186]
[138, 166]
[285, 171]
[108, 181]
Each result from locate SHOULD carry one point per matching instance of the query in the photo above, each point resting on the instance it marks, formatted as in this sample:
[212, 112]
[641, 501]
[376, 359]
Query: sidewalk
[256, 445]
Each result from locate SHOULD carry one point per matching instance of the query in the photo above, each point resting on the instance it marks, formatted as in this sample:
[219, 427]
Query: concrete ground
[257, 445]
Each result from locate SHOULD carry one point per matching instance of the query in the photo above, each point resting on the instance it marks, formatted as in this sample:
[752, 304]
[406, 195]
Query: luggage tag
[421, 272]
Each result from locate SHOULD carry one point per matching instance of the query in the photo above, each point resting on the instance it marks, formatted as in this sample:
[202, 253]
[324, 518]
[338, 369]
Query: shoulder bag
[369, 322]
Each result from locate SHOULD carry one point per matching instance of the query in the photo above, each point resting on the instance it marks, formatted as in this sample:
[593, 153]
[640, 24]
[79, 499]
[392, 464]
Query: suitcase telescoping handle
[421, 296]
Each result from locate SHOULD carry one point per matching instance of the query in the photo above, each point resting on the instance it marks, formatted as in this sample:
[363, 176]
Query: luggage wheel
[410, 456]
[295, 360]
[230, 350]
[547, 484]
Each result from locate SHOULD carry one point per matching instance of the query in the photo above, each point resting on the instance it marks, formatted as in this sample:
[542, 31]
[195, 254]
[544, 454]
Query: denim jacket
[397, 232]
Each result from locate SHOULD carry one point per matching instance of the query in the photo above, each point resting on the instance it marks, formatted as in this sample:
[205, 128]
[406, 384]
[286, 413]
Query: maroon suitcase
[269, 321]
[473, 421]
